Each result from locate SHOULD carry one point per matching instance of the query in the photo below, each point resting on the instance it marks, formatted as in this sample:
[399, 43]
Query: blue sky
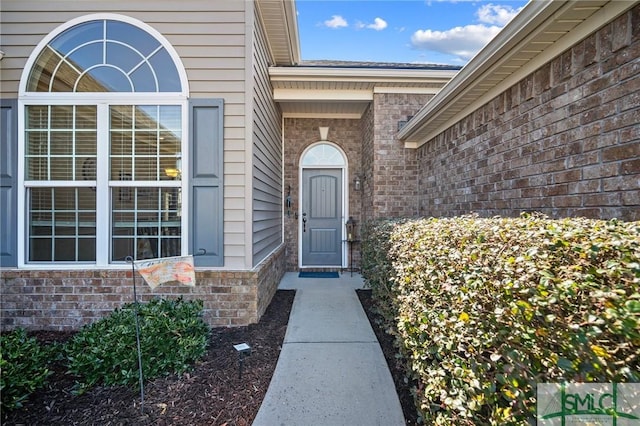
[412, 31]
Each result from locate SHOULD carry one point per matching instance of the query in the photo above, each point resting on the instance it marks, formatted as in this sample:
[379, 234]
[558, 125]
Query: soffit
[323, 109]
[540, 28]
[341, 91]
[281, 26]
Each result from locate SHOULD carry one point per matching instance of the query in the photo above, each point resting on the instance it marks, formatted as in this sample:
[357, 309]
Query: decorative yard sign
[156, 272]
[167, 270]
[615, 404]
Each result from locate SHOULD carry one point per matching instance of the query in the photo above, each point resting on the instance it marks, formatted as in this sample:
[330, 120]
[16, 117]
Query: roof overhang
[539, 33]
[281, 25]
[331, 92]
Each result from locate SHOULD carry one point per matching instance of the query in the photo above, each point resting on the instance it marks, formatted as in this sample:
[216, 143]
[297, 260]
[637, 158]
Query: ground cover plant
[484, 309]
[173, 336]
[23, 367]
[210, 393]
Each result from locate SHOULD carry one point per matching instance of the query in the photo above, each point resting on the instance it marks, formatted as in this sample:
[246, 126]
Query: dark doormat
[311, 274]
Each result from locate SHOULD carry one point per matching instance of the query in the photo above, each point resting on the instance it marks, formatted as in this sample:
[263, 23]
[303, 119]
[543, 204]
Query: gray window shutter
[8, 183]
[205, 181]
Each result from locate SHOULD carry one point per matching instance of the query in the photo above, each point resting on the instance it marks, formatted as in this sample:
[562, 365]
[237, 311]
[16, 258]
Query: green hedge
[376, 265]
[485, 309]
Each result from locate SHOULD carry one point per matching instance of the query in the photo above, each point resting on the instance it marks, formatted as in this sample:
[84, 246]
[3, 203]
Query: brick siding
[392, 182]
[368, 150]
[299, 133]
[67, 300]
[564, 141]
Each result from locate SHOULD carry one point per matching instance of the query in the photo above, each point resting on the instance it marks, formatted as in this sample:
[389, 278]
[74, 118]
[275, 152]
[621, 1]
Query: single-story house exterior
[196, 128]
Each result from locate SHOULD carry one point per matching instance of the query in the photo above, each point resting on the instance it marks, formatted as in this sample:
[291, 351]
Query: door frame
[345, 200]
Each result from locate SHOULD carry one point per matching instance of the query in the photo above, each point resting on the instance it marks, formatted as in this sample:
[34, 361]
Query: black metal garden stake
[136, 312]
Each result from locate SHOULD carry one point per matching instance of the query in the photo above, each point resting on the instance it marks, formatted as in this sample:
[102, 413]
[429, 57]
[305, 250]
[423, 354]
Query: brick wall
[299, 133]
[269, 273]
[66, 300]
[392, 179]
[367, 165]
[564, 141]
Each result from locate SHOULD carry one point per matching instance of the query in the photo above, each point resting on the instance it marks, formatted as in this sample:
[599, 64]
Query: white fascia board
[407, 90]
[328, 115]
[532, 17]
[291, 19]
[358, 74]
[322, 95]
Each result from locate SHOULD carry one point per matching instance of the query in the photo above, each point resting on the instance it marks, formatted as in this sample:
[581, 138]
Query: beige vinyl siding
[209, 36]
[267, 155]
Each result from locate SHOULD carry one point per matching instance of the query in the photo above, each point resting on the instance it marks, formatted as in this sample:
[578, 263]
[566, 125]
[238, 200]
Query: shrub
[23, 367]
[172, 337]
[487, 308]
[377, 270]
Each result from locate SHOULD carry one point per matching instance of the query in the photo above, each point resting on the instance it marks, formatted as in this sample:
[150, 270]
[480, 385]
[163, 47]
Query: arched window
[322, 154]
[104, 56]
[104, 128]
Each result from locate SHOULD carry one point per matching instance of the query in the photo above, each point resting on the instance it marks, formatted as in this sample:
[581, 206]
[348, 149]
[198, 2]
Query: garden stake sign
[135, 314]
[156, 272]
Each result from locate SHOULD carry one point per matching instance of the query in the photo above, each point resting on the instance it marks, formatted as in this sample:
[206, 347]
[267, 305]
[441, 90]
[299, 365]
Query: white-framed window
[103, 129]
[323, 154]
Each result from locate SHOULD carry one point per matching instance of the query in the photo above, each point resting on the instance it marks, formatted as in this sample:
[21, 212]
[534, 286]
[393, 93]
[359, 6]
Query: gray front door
[321, 218]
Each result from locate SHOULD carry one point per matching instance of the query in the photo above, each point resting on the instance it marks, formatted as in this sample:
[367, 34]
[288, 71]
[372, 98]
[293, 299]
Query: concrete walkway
[331, 370]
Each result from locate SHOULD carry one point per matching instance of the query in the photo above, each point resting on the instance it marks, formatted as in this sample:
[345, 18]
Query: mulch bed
[403, 386]
[211, 394]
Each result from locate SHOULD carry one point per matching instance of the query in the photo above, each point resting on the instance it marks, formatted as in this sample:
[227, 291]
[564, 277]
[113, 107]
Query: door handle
[304, 222]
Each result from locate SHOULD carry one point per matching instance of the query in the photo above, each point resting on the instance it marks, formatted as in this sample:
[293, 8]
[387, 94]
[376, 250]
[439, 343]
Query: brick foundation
[67, 300]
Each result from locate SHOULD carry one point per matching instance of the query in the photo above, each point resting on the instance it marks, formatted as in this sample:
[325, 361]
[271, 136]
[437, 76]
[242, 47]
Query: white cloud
[496, 14]
[379, 24]
[462, 42]
[336, 21]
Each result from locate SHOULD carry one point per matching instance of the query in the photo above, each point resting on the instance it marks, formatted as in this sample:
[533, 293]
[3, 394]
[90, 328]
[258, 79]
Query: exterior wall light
[351, 229]
[352, 237]
[357, 183]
